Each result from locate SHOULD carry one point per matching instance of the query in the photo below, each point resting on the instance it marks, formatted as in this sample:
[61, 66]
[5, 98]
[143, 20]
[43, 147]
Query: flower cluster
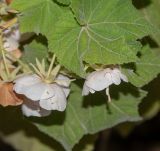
[41, 90]
[38, 92]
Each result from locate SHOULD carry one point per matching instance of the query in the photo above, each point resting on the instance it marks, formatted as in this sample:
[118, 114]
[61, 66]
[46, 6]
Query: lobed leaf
[99, 34]
[146, 68]
[91, 114]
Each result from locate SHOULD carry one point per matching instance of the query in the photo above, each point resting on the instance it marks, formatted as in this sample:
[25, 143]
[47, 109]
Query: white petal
[28, 79]
[116, 77]
[38, 91]
[66, 91]
[85, 90]
[22, 82]
[57, 102]
[11, 37]
[92, 91]
[30, 108]
[108, 77]
[16, 35]
[63, 80]
[5, 45]
[97, 80]
[13, 44]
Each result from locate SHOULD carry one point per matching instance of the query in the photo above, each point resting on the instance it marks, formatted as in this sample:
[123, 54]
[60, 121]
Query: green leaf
[24, 136]
[34, 50]
[101, 34]
[91, 114]
[151, 13]
[37, 16]
[150, 105]
[74, 44]
[146, 68]
[22, 142]
[111, 19]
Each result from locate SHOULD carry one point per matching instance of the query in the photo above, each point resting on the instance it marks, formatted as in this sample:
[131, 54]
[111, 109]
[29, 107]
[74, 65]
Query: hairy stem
[3, 55]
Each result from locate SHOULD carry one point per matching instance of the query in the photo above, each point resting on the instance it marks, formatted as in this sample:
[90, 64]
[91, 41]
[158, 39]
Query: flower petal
[66, 91]
[30, 108]
[8, 96]
[13, 44]
[22, 82]
[98, 80]
[63, 80]
[28, 79]
[11, 38]
[85, 90]
[116, 76]
[33, 88]
[57, 102]
[38, 91]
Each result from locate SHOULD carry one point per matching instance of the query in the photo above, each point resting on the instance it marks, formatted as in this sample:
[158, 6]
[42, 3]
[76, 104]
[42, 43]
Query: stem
[5, 62]
[51, 66]
[14, 59]
[3, 55]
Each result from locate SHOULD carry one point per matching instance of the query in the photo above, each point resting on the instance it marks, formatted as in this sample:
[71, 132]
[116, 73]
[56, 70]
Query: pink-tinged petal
[7, 31]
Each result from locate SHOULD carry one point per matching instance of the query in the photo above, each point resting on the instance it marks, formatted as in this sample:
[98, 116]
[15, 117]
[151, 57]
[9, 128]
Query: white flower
[50, 96]
[11, 38]
[100, 80]
[30, 108]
